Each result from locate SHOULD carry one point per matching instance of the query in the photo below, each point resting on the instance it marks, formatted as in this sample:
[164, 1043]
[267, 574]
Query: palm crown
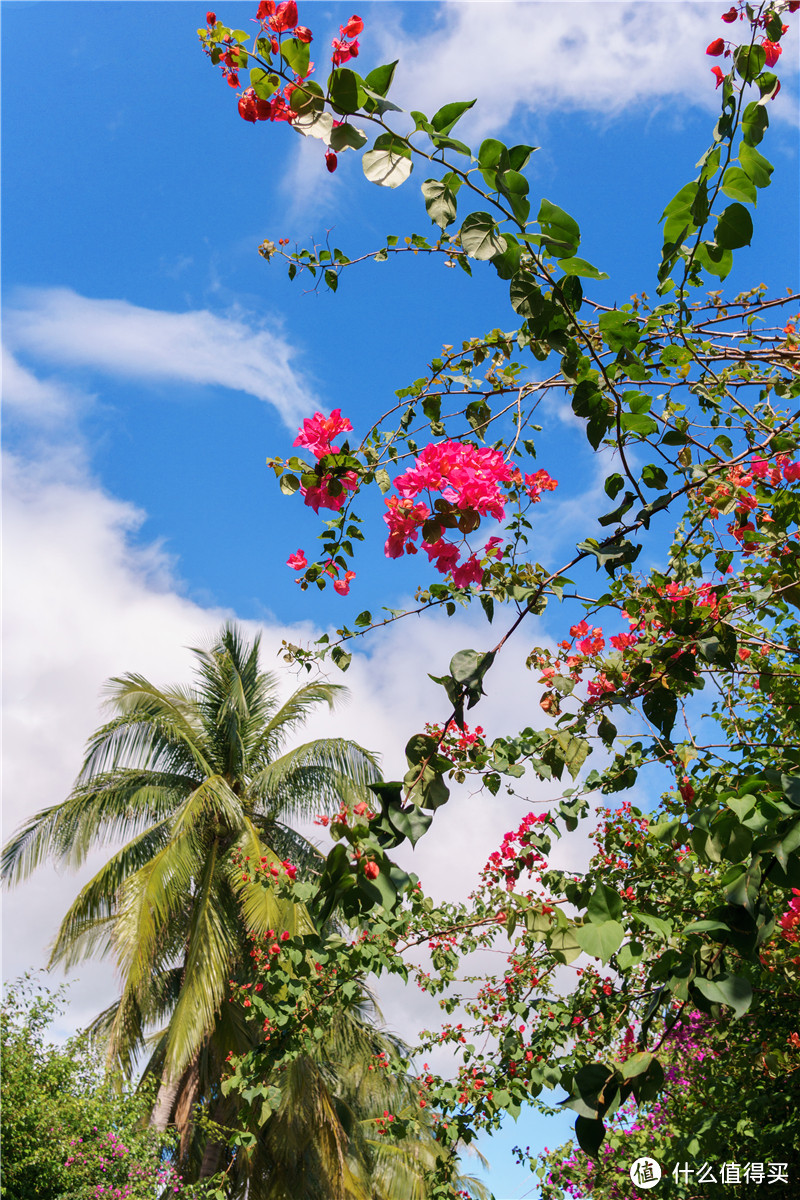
[191, 779]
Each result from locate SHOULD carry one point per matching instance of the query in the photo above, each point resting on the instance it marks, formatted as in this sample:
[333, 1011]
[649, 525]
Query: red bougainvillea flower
[730, 15]
[353, 27]
[247, 106]
[298, 561]
[211, 18]
[284, 17]
[716, 48]
[233, 79]
[342, 586]
[371, 870]
[718, 74]
[317, 432]
[343, 51]
[772, 50]
[469, 572]
[303, 34]
[318, 496]
[265, 9]
[331, 161]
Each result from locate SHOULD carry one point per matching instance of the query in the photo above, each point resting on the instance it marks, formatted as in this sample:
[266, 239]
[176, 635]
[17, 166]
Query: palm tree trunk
[212, 1155]
[165, 1103]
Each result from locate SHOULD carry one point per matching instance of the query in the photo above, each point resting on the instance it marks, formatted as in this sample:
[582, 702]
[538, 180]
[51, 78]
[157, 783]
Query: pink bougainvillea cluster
[462, 485]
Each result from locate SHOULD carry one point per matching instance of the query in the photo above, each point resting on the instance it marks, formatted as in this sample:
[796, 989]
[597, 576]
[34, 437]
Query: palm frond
[152, 727]
[317, 776]
[214, 943]
[112, 806]
[96, 905]
[296, 711]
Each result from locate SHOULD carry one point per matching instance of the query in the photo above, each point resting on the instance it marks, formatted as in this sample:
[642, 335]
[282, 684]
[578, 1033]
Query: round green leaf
[734, 228]
[480, 237]
[386, 168]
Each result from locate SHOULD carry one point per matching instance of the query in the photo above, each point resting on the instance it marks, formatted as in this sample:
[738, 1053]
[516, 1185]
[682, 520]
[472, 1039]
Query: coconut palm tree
[191, 779]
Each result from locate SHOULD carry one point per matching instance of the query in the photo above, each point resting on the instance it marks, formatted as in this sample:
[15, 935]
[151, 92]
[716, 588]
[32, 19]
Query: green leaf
[263, 83]
[661, 707]
[734, 227]
[657, 924]
[739, 186]
[613, 485]
[593, 405]
[563, 944]
[590, 1134]
[346, 94]
[343, 136]
[579, 266]
[755, 166]
[605, 905]
[411, 822]
[714, 259]
[444, 120]
[379, 80]
[637, 1064]
[749, 62]
[518, 156]
[289, 484]
[480, 237]
[440, 202]
[732, 990]
[620, 330]
[601, 941]
[639, 423]
[560, 232]
[388, 165]
[297, 54]
[754, 123]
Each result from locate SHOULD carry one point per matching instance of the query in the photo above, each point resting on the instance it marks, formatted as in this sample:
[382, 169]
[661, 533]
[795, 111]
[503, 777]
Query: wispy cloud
[38, 402]
[114, 337]
[596, 57]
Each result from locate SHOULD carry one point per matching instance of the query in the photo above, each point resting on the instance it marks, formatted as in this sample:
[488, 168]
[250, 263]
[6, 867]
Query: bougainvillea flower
[318, 495]
[298, 561]
[317, 432]
[730, 15]
[331, 161]
[342, 586]
[718, 74]
[343, 51]
[405, 519]
[772, 50]
[265, 9]
[303, 34]
[716, 48]
[353, 27]
[469, 572]
[211, 18]
[284, 17]
[443, 554]
[247, 106]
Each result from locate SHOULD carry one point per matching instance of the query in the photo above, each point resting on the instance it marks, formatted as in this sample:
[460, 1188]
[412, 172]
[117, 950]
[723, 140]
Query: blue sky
[154, 360]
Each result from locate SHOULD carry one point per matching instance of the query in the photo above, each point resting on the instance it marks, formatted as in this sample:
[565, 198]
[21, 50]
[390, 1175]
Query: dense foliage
[70, 1131]
[659, 988]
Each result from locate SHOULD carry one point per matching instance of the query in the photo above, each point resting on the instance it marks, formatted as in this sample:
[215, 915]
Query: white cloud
[197, 347]
[39, 402]
[541, 58]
